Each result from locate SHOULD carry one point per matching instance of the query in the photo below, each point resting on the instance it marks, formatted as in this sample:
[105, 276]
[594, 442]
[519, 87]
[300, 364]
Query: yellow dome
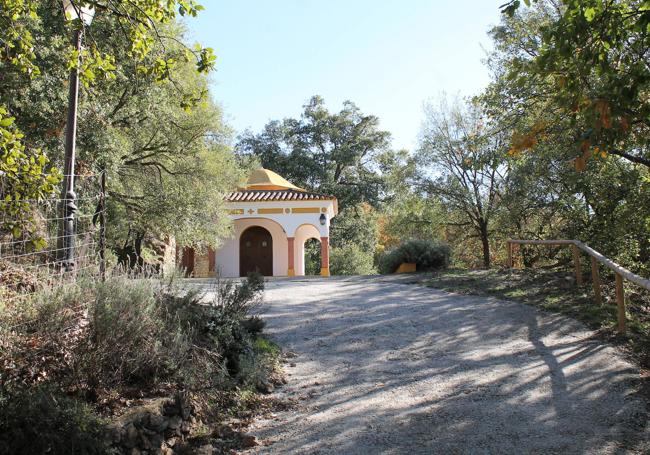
[263, 179]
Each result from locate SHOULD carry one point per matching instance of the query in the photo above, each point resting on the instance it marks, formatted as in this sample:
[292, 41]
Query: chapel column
[291, 256]
[325, 256]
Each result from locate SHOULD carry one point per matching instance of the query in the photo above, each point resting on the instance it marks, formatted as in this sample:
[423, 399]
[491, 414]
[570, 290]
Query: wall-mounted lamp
[322, 219]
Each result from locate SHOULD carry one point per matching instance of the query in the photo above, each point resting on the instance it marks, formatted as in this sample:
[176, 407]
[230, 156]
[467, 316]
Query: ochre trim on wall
[305, 210]
[236, 212]
[269, 211]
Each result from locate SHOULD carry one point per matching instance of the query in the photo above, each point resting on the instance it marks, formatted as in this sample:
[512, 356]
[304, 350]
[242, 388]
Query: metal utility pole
[69, 206]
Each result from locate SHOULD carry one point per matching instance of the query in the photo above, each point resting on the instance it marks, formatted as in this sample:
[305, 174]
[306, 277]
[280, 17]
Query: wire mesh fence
[33, 241]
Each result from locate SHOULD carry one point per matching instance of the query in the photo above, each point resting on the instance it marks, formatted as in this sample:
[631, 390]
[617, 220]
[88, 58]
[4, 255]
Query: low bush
[125, 333]
[42, 421]
[351, 260]
[82, 344]
[425, 254]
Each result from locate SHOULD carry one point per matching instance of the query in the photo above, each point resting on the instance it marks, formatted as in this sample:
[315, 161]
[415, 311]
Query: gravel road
[389, 368]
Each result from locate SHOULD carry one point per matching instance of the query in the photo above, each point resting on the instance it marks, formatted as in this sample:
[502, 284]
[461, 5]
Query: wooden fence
[621, 273]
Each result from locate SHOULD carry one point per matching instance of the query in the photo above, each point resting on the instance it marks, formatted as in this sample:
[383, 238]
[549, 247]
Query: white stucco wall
[301, 226]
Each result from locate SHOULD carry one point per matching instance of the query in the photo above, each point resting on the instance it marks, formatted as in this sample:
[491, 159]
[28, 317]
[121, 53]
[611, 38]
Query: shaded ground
[382, 367]
[555, 290]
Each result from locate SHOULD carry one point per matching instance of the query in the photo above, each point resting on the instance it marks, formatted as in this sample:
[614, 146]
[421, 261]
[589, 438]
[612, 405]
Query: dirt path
[388, 368]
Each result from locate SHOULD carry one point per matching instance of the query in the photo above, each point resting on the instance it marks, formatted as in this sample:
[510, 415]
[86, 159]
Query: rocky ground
[382, 367]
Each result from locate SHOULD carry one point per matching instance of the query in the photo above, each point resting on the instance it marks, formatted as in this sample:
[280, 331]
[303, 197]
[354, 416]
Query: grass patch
[555, 290]
[265, 346]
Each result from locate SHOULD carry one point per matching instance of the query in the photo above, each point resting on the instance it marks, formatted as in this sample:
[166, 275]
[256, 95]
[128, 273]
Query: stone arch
[303, 233]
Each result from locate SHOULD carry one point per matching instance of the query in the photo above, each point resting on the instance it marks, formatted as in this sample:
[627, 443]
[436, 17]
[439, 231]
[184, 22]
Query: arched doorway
[256, 251]
[312, 256]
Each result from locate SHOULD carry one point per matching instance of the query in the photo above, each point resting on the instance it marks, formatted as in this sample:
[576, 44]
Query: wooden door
[187, 261]
[256, 252]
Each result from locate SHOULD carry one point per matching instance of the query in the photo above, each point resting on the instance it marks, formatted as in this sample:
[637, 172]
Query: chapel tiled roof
[276, 195]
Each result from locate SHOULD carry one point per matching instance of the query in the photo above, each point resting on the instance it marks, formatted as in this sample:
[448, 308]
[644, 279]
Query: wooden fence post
[620, 303]
[576, 263]
[595, 278]
[509, 245]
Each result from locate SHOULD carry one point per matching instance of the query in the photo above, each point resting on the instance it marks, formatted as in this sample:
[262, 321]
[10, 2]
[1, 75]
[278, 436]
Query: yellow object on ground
[406, 267]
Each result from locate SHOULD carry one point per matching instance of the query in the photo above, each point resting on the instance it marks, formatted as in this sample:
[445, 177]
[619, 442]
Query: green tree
[407, 212]
[160, 137]
[592, 56]
[333, 153]
[23, 178]
[604, 204]
[35, 54]
[463, 163]
[351, 260]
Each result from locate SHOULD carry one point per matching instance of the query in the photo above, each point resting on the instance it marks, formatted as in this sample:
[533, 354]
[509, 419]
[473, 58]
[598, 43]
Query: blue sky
[387, 56]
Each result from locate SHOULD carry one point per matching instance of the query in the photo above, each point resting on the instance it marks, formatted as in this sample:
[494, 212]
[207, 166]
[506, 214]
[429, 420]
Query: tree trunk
[485, 240]
[130, 255]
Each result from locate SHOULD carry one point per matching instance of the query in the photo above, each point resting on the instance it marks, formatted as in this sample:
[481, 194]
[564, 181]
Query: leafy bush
[351, 260]
[40, 421]
[239, 299]
[312, 257]
[425, 254]
[138, 332]
[129, 332]
[84, 344]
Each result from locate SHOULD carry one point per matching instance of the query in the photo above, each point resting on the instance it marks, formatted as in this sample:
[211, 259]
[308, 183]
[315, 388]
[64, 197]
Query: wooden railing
[620, 272]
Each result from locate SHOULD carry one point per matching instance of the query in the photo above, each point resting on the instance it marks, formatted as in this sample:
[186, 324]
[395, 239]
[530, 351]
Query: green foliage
[357, 225]
[145, 115]
[16, 16]
[463, 157]
[312, 257]
[412, 216]
[137, 21]
[135, 334]
[236, 300]
[44, 421]
[23, 178]
[332, 153]
[590, 56]
[351, 259]
[426, 256]
[565, 178]
[267, 346]
[84, 344]
[138, 332]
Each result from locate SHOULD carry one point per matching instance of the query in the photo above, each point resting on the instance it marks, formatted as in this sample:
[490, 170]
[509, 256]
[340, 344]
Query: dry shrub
[129, 332]
[43, 421]
[78, 343]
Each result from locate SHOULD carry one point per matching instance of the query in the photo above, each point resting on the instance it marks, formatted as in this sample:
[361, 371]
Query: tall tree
[322, 151]
[558, 172]
[160, 136]
[593, 57]
[463, 163]
[36, 51]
